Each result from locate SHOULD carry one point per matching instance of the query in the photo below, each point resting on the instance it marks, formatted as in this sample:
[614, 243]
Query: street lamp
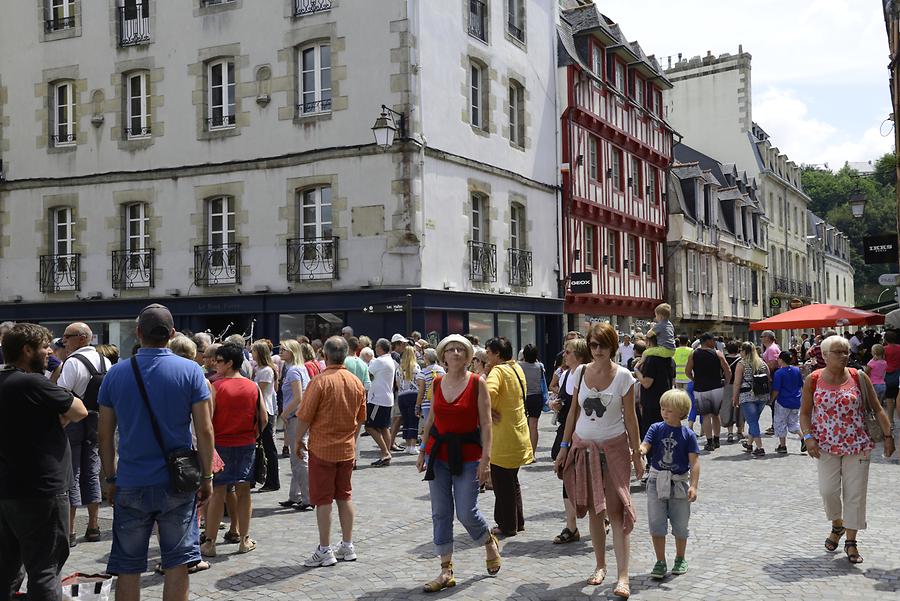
[386, 127]
[858, 203]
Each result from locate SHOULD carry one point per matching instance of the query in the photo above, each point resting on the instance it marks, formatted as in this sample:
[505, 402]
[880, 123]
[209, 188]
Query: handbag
[183, 464]
[870, 419]
[86, 587]
[260, 464]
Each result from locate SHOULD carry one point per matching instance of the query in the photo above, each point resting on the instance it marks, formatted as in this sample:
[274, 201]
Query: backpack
[92, 390]
[761, 383]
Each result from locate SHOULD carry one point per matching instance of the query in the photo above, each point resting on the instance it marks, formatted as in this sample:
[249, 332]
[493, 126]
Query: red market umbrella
[818, 316]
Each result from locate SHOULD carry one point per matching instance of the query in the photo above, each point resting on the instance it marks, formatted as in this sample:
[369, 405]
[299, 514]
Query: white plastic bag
[86, 587]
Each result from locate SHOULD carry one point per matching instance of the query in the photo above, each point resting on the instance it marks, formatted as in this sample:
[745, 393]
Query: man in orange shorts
[333, 407]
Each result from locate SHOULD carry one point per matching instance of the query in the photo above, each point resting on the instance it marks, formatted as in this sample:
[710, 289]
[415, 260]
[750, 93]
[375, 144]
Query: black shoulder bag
[183, 464]
[260, 464]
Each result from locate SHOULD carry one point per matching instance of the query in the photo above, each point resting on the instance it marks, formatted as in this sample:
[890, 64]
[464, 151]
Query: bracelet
[209, 477]
[807, 437]
[565, 445]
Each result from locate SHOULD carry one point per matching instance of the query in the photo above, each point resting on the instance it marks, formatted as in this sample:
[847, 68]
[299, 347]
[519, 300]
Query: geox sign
[880, 249]
[580, 282]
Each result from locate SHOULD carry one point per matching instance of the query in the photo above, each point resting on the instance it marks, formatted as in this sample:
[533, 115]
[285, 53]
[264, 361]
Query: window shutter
[690, 271]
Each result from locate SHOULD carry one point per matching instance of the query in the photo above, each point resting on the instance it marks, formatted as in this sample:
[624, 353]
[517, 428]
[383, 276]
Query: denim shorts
[239, 463]
[135, 512]
[662, 512]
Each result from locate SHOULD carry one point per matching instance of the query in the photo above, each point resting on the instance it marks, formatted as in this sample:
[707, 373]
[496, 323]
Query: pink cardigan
[582, 467]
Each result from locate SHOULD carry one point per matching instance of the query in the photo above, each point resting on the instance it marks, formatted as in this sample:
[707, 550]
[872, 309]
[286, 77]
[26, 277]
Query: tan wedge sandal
[437, 585]
[493, 565]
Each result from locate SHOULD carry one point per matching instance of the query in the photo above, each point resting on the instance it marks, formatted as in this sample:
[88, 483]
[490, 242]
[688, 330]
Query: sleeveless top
[459, 417]
[707, 370]
[837, 417]
[680, 357]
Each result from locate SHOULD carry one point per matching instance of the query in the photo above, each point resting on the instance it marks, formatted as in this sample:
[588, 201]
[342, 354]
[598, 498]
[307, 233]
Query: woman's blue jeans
[407, 403]
[461, 492]
[752, 410]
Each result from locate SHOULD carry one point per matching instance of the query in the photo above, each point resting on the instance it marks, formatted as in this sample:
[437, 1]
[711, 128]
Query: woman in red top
[239, 416]
[458, 457]
[892, 356]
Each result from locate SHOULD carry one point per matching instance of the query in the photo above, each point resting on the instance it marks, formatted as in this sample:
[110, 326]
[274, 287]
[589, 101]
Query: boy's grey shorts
[662, 511]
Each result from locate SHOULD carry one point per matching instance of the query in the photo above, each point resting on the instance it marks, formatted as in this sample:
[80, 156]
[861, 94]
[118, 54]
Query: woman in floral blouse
[832, 422]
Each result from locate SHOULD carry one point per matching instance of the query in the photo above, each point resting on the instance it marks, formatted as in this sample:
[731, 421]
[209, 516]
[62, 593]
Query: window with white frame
[590, 248]
[638, 91]
[316, 214]
[315, 79]
[137, 114]
[651, 184]
[516, 114]
[517, 226]
[691, 269]
[515, 19]
[616, 169]
[479, 218]
[63, 119]
[620, 77]
[704, 273]
[137, 227]
[221, 221]
[62, 233]
[221, 94]
[650, 259]
[478, 19]
[478, 95]
[637, 177]
[632, 255]
[61, 15]
[729, 271]
[593, 159]
[598, 61]
[612, 250]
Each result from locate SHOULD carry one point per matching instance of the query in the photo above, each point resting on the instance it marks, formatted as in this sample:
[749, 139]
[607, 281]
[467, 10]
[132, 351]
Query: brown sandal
[597, 577]
[623, 589]
[437, 585]
[567, 536]
[493, 565]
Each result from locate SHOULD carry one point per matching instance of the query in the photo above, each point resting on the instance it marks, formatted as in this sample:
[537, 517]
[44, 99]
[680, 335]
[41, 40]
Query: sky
[819, 68]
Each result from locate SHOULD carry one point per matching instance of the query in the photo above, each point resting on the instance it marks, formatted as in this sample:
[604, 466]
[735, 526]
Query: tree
[830, 193]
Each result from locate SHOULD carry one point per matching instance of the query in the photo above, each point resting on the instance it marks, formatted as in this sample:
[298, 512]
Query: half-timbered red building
[616, 149]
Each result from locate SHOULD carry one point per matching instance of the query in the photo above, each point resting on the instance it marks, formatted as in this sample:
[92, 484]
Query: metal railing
[217, 264]
[478, 19]
[137, 132]
[219, 121]
[60, 273]
[62, 139]
[518, 33]
[52, 23]
[308, 7]
[781, 285]
[312, 259]
[134, 24]
[132, 269]
[519, 262]
[314, 106]
[482, 262]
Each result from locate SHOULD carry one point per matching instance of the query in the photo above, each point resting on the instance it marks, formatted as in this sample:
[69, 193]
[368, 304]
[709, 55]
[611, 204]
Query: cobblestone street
[756, 533]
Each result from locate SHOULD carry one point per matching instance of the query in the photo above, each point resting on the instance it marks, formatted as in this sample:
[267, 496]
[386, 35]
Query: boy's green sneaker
[680, 566]
[659, 570]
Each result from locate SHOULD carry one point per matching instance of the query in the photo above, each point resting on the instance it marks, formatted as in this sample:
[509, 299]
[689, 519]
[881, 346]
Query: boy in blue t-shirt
[674, 477]
[787, 386]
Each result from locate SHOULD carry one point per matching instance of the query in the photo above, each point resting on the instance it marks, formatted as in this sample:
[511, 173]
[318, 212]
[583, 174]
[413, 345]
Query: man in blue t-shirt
[139, 484]
[787, 386]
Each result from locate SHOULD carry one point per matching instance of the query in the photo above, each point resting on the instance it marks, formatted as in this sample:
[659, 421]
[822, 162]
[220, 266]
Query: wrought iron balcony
[478, 19]
[482, 262]
[308, 7]
[781, 285]
[314, 106]
[62, 139]
[60, 273]
[137, 132]
[220, 121]
[312, 259]
[217, 264]
[134, 23]
[807, 290]
[132, 269]
[52, 23]
[519, 262]
[518, 33]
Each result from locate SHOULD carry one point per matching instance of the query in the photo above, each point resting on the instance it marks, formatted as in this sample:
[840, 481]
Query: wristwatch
[807, 436]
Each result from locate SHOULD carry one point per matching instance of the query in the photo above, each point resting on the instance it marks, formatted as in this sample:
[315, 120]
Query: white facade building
[832, 272]
[218, 156]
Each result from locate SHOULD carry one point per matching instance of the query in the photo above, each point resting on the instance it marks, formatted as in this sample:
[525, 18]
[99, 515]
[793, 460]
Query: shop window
[481, 325]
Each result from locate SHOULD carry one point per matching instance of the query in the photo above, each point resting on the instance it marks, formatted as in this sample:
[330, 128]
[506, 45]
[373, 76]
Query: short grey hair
[367, 352]
[346, 330]
[336, 349]
[768, 334]
[211, 350]
[6, 326]
[834, 340]
[430, 356]
[202, 340]
[236, 339]
[384, 344]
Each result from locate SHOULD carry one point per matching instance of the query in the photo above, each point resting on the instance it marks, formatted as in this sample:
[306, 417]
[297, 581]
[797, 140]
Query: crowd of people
[178, 435]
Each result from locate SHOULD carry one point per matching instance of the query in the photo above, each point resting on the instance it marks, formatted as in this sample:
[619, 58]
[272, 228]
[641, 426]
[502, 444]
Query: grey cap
[155, 320]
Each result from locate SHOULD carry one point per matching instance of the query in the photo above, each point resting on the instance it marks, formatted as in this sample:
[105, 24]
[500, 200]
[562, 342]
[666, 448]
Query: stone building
[218, 156]
[832, 272]
[616, 148]
[711, 105]
[715, 247]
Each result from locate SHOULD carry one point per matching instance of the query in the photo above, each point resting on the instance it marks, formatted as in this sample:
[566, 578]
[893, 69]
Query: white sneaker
[413, 450]
[321, 559]
[345, 552]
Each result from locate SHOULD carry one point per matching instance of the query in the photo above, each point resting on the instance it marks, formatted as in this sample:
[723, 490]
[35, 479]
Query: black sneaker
[716, 442]
[758, 452]
[802, 446]
[770, 432]
[781, 449]
[710, 446]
